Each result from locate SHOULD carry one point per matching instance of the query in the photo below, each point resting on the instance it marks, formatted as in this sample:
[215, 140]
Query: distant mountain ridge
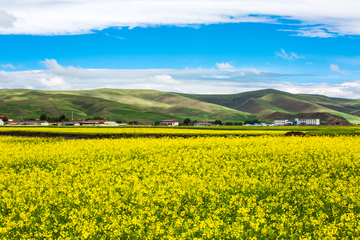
[151, 105]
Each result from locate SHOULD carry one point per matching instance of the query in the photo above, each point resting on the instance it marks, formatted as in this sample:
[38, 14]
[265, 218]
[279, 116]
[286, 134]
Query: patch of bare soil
[293, 133]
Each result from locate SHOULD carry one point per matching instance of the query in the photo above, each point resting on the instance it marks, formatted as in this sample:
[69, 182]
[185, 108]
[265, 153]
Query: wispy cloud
[255, 71]
[43, 17]
[290, 56]
[335, 68]
[310, 32]
[224, 65]
[9, 65]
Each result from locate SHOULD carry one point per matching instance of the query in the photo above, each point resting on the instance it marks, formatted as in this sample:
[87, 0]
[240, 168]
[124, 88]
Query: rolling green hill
[269, 104]
[114, 104]
[151, 105]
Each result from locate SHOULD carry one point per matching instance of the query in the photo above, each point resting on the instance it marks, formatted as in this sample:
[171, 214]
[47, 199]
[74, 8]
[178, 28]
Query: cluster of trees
[251, 121]
[61, 118]
[94, 118]
[53, 119]
[187, 122]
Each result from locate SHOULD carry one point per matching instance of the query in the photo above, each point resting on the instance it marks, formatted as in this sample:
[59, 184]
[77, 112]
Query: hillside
[151, 105]
[114, 104]
[264, 103]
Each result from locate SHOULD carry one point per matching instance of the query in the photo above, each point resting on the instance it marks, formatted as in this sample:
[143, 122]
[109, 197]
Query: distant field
[318, 130]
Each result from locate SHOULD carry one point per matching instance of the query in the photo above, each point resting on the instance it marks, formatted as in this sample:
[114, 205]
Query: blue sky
[210, 47]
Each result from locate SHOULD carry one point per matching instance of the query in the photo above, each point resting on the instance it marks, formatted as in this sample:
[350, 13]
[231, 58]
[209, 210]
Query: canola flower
[199, 188]
[139, 130]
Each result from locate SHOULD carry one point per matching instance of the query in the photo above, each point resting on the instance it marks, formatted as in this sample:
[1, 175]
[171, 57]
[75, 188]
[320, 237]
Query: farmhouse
[170, 122]
[202, 124]
[8, 117]
[70, 123]
[35, 123]
[13, 123]
[1, 122]
[99, 123]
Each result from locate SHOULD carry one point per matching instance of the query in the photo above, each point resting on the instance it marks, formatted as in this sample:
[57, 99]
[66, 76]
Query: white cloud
[9, 65]
[165, 79]
[204, 81]
[290, 56]
[55, 83]
[255, 71]
[335, 68]
[59, 70]
[6, 20]
[43, 17]
[224, 65]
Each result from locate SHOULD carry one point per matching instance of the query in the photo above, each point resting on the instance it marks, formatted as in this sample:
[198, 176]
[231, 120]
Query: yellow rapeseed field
[141, 130]
[266, 187]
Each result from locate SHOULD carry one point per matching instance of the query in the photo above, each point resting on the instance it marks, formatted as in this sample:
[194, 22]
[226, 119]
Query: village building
[13, 123]
[1, 122]
[111, 123]
[170, 122]
[99, 123]
[35, 123]
[202, 124]
[307, 121]
[8, 117]
[70, 123]
[281, 122]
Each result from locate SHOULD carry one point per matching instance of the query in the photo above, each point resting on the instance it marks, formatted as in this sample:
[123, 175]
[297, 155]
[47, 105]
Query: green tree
[97, 118]
[5, 119]
[218, 122]
[251, 121]
[187, 121]
[62, 118]
[43, 116]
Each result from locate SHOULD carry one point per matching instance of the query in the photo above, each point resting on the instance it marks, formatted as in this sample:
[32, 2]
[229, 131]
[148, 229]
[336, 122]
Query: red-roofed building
[170, 122]
[13, 123]
[8, 117]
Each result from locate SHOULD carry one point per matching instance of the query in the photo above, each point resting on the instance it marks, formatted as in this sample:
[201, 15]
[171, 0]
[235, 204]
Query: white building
[1, 122]
[35, 123]
[314, 121]
[170, 122]
[281, 122]
[202, 124]
[111, 123]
